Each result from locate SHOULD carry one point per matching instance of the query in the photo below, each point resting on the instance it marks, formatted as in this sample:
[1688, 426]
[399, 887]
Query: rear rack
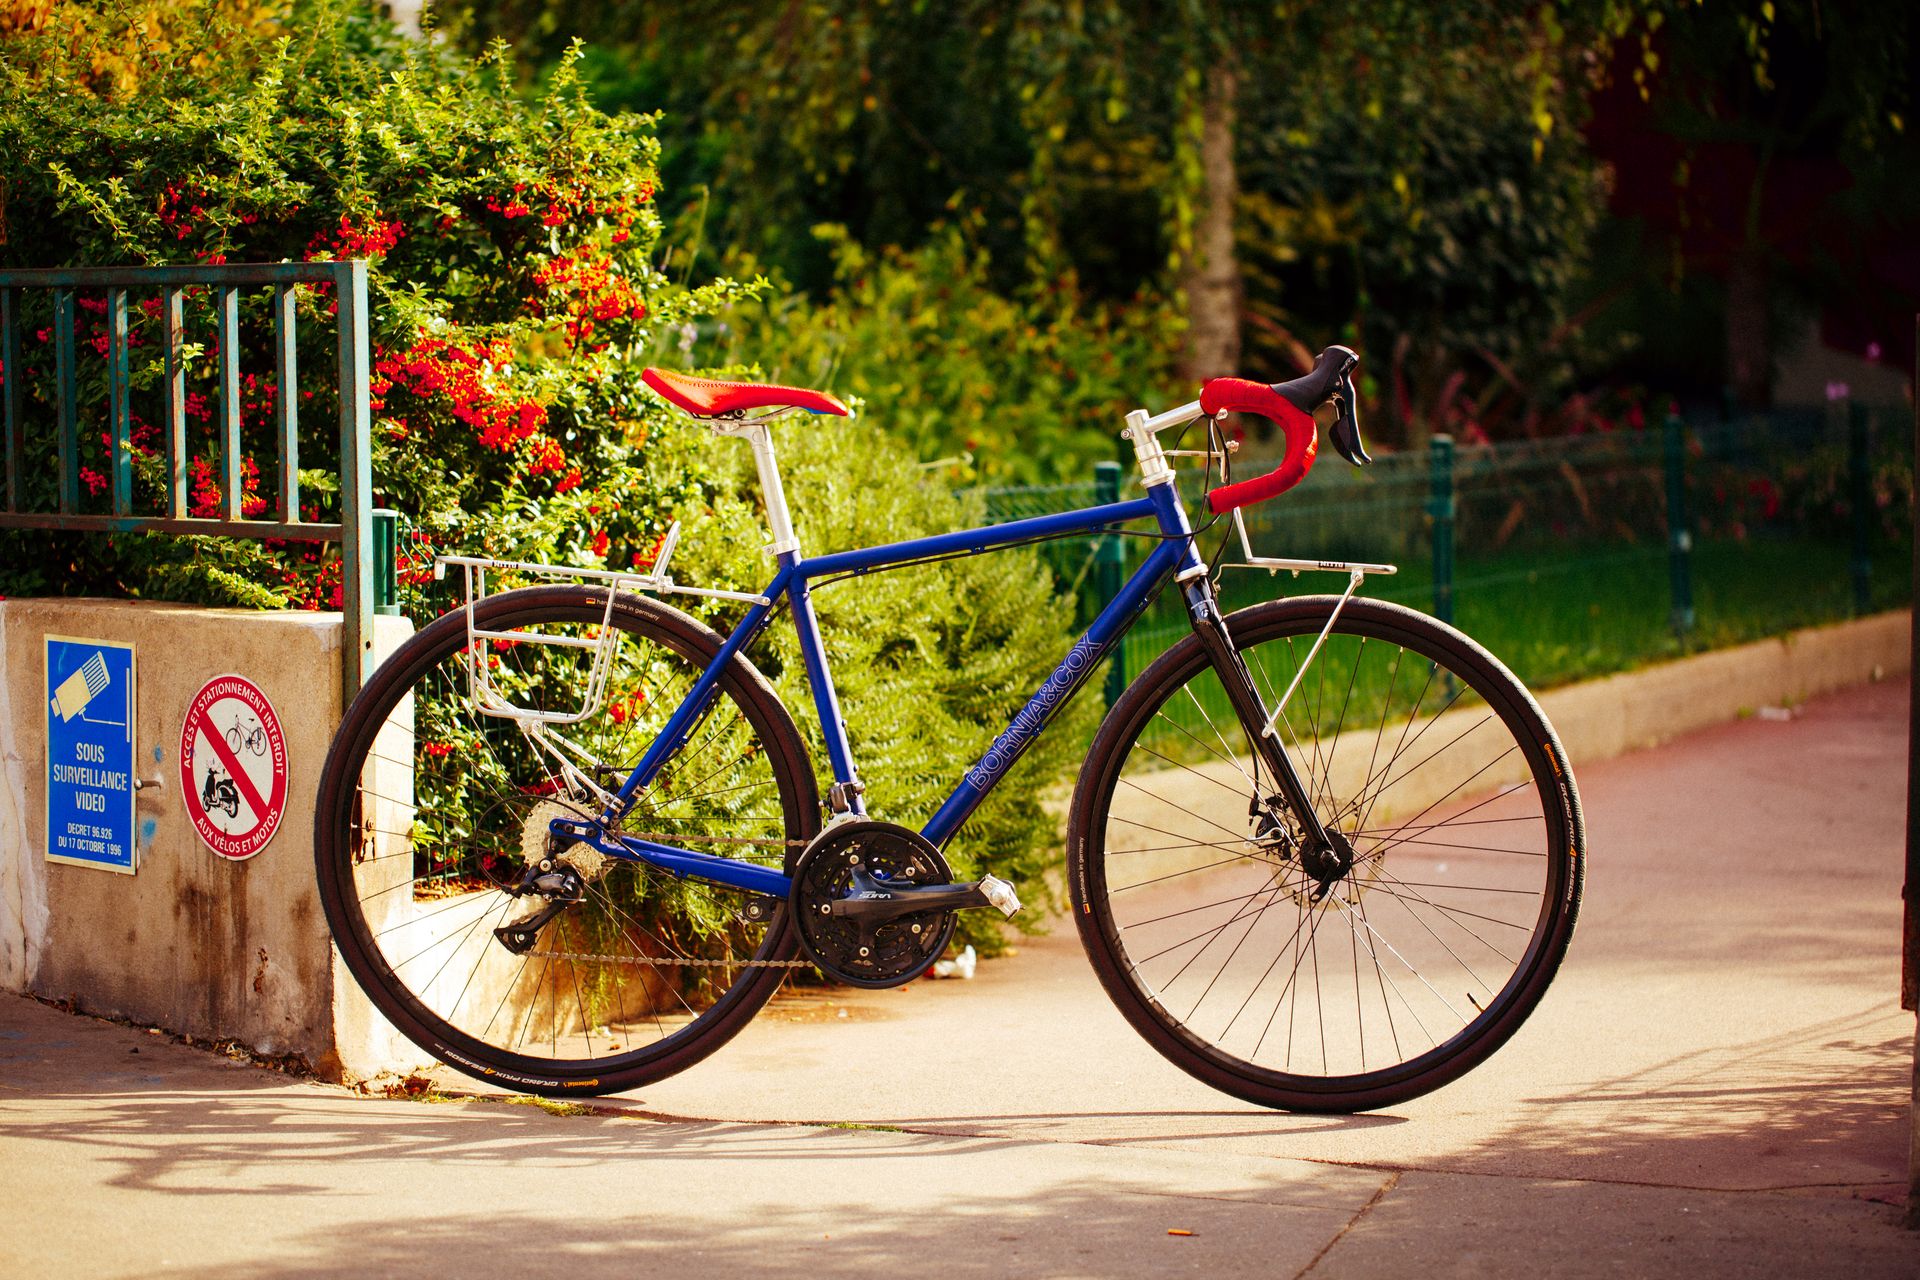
[488, 698]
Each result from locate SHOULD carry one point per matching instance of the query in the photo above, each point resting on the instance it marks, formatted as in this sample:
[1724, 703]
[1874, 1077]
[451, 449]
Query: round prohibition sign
[233, 767]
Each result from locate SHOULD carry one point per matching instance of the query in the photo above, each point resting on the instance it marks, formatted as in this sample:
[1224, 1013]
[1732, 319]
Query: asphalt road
[1716, 1086]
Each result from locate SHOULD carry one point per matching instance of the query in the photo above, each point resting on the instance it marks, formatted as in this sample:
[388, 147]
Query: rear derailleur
[556, 870]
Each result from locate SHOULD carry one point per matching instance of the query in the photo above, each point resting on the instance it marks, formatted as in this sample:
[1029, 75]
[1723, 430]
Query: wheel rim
[1426, 769]
[447, 805]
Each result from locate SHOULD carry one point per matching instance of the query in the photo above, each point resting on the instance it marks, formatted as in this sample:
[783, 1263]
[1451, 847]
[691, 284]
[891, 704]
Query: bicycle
[253, 737]
[568, 839]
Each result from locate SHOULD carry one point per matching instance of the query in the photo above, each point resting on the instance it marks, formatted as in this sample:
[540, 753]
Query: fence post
[1109, 557]
[1440, 506]
[386, 571]
[1679, 525]
[1860, 498]
[356, 477]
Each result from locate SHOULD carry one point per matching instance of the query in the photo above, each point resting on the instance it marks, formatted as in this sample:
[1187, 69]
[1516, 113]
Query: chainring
[852, 858]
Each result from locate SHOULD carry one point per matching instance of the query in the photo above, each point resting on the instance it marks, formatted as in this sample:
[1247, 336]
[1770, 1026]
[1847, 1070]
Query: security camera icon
[82, 687]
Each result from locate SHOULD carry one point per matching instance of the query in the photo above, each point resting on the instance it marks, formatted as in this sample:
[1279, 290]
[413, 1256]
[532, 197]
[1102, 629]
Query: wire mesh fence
[1571, 557]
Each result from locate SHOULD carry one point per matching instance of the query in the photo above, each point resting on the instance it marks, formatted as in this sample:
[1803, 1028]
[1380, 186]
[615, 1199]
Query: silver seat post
[755, 432]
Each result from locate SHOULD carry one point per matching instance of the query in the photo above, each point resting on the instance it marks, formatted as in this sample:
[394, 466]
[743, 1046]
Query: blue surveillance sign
[90, 753]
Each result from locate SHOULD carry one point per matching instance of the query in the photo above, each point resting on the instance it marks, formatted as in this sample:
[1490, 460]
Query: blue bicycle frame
[1173, 556]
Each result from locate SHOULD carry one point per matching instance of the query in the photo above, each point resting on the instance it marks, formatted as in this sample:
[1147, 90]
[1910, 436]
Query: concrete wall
[192, 942]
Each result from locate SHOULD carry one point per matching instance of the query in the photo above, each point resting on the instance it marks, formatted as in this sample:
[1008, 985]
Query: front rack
[1356, 572]
[1274, 564]
[486, 694]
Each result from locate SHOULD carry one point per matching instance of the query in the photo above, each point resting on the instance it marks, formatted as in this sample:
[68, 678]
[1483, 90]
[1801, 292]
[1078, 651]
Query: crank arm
[874, 902]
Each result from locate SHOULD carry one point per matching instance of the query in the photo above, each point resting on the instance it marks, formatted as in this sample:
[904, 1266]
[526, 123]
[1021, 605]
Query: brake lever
[1345, 431]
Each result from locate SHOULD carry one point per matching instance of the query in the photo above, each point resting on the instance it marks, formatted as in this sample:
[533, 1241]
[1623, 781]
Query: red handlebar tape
[1241, 395]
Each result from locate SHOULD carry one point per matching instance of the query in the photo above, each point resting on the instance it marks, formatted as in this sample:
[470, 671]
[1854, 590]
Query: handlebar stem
[1145, 431]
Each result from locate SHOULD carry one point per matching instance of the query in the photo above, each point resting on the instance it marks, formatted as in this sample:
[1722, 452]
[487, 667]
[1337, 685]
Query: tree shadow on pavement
[1822, 1106]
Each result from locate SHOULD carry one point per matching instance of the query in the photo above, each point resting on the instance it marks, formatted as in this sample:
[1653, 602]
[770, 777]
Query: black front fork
[1203, 611]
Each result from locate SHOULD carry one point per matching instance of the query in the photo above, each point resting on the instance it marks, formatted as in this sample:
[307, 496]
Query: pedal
[999, 895]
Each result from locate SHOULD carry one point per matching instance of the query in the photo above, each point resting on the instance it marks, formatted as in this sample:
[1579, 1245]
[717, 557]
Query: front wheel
[1235, 952]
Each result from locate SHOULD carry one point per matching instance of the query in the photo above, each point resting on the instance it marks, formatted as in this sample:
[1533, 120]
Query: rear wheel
[1438, 780]
[430, 812]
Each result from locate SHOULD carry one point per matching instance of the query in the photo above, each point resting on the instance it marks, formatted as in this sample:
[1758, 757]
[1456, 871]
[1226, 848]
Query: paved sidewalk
[1716, 1086]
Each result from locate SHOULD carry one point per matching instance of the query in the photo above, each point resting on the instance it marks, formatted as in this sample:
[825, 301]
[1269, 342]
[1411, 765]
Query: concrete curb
[1600, 719]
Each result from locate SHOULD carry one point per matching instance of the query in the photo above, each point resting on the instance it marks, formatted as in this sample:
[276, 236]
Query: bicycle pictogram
[251, 736]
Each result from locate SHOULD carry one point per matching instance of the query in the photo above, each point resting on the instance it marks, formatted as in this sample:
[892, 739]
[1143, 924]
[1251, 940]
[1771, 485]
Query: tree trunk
[1749, 340]
[1211, 273]
[406, 15]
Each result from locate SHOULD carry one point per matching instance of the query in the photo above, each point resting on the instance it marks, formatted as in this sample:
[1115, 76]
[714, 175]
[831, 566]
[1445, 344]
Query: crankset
[873, 903]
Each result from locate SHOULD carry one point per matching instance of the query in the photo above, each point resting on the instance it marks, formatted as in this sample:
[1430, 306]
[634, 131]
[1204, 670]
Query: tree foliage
[1068, 139]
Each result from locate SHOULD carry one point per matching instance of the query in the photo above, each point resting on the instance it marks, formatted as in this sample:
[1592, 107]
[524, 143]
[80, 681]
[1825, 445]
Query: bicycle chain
[662, 964]
[649, 961]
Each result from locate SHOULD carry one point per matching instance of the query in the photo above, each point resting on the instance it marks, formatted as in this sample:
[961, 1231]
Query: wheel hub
[1328, 862]
[1306, 872]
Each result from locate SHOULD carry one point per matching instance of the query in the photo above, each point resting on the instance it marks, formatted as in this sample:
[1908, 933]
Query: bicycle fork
[1324, 854]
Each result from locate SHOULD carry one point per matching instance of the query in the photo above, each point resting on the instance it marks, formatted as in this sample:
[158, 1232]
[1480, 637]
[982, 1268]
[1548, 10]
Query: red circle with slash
[233, 767]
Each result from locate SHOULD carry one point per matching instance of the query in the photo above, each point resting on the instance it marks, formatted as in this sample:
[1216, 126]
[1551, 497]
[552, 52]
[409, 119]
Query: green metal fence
[44, 411]
[1568, 557]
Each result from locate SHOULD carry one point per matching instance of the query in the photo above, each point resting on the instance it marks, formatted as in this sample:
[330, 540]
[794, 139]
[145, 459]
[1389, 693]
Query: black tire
[1163, 855]
[643, 977]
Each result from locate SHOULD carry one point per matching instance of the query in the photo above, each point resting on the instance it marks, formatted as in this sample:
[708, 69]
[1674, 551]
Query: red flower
[369, 239]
